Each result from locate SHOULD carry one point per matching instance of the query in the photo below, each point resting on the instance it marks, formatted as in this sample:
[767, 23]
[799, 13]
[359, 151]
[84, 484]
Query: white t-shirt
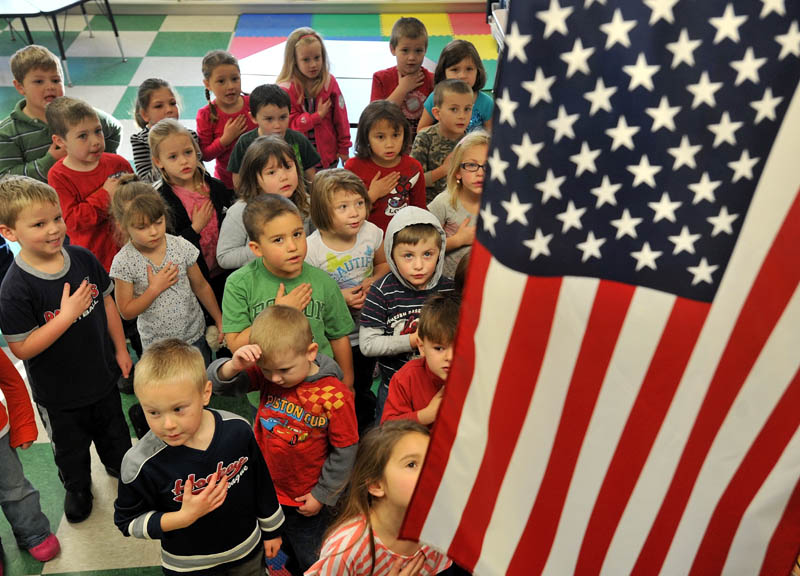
[350, 267]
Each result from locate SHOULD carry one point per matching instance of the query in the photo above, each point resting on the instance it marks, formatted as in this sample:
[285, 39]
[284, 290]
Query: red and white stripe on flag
[592, 427]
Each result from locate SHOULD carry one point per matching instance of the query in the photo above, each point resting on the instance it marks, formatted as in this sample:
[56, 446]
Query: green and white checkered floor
[172, 47]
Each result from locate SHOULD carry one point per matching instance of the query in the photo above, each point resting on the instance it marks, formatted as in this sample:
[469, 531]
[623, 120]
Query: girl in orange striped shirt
[364, 538]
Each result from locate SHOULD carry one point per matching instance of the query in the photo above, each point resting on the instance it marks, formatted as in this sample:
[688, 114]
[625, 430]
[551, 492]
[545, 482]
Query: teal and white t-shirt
[350, 267]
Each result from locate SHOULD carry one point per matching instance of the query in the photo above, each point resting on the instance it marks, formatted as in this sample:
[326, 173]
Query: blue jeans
[383, 394]
[20, 500]
[302, 536]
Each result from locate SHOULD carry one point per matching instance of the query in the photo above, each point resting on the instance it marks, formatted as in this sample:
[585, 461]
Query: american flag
[625, 397]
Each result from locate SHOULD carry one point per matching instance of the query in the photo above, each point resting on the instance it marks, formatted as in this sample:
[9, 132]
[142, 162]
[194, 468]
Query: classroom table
[23, 9]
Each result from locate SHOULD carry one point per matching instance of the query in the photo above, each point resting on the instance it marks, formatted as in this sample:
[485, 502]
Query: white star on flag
[591, 247]
[489, 220]
[664, 209]
[725, 130]
[497, 167]
[743, 167]
[727, 25]
[571, 217]
[551, 186]
[663, 116]
[641, 73]
[539, 244]
[555, 18]
[588, 3]
[507, 107]
[747, 68]
[683, 49]
[626, 224]
[704, 91]
[577, 59]
[539, 88]
[722, 222]
[770, 6]
[704, 190]
[684, 154]
[562, 124]
[516, 43]
[606, 193]
[644, 172]
[702, 272]
[527, 152]
[790, 42]
[661, 10]
[646, 257]
[684, 242]
[584, 160]
[622, 134]
[765, 108]
[515, 210]
[600, 97]
[617, 30]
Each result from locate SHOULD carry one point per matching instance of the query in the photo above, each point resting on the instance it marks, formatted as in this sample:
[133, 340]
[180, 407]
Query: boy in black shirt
[58, 316]
[197, 481]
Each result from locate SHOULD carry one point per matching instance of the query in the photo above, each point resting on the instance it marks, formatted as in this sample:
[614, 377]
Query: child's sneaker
[46, 550]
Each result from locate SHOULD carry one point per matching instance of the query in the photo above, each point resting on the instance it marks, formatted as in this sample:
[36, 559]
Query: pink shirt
[346, 552]
[210, 132]
[208, 235]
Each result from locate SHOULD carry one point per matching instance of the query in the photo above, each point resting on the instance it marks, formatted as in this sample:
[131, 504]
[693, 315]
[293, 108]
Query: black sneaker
[138, 420]
[78, 505]
[125, 385]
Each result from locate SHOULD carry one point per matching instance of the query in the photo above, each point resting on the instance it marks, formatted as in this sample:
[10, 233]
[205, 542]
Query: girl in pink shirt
[318, 109]
[221, 122]
[363, 540]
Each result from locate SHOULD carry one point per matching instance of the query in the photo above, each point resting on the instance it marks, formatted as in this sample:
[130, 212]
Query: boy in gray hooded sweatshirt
[414, 246]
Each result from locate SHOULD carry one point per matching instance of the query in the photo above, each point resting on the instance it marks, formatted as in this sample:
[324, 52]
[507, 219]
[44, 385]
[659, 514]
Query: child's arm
[72, 306]
[406, 84]
[340, 122]
[418, 191]
[202, 289]
[135, 517]
[371, 338]
[400, 403]
[212, 146]
[20, 411]
[299, 119]
[117, 336]
[425, 120]
[130, 307]
[12, 154]
[112, 130]
[228, 375]
[232, 249]
[82, 214]
[343, 354]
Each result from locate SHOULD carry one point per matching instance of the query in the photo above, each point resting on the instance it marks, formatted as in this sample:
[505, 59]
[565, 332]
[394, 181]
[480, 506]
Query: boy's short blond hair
[326, 184]
[416, 233]
[168, 362]
[64, 113]
[33, 57]
[20, 192]
[407, 27]
[280, 328]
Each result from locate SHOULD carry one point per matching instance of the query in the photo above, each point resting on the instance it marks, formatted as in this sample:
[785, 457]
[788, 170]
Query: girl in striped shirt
[363, 541]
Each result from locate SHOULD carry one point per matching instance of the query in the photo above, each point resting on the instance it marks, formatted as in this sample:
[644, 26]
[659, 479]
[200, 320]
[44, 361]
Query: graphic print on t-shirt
[298, 421]
[399, 198]
[232, 474]
[51, 314]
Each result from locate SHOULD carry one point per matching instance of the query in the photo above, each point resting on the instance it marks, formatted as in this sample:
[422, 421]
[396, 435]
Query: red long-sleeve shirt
[17, 409]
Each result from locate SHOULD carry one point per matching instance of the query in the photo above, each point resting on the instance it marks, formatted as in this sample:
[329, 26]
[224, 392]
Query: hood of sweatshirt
[327, 367]
[406, 217]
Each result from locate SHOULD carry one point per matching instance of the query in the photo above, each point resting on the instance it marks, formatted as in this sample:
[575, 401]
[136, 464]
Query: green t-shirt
[304, 151]
[252, 288]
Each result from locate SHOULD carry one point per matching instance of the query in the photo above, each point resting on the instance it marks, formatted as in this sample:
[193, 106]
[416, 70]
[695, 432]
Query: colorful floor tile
[170, 47]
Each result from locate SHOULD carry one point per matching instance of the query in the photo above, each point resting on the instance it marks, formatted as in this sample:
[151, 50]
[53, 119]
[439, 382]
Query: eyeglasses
[474, 167]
